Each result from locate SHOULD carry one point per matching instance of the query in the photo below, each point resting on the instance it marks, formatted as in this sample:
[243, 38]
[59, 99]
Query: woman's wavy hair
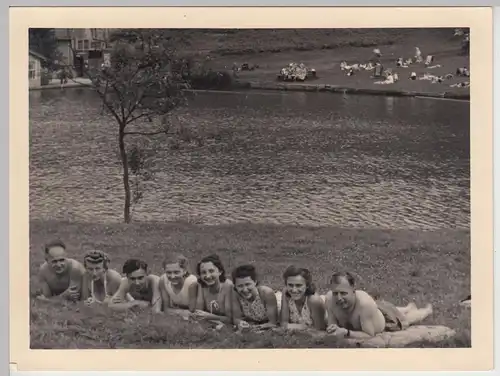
[214, 259]
[95, 256]
[293, 271]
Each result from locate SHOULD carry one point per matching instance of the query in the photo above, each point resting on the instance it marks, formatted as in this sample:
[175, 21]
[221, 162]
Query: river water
[314, 159]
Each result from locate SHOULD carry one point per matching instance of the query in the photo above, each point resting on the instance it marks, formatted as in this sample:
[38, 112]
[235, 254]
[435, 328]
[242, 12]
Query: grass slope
[401, 266]
[324, 49]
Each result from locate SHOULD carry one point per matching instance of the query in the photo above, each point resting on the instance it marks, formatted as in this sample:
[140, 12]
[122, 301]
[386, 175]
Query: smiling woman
[253, 305]
[213, 301]
[177, 285]
[301, 307]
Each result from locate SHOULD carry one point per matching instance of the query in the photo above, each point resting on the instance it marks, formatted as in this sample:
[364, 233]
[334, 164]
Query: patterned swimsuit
[302, 317]
[255, 310]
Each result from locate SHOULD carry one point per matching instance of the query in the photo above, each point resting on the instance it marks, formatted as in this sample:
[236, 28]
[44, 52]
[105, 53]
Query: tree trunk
[126, 183]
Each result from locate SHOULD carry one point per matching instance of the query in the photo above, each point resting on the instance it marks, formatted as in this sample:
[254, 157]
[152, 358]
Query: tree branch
[144, 114]
[148, 133]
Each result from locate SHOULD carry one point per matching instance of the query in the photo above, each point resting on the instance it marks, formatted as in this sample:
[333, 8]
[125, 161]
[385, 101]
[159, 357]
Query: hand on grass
[340, 332]
[265, 326]
[243, 325]
[199, 314]
[332, 328]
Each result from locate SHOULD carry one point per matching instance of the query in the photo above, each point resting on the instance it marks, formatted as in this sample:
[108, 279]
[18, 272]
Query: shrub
[209, 79]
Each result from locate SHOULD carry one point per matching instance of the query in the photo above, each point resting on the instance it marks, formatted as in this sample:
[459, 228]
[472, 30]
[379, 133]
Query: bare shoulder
[229, 283]
[365, 300]
[191, 279]
[44, 269]
[154, 278]
[316, 301]
[266, 291]
[77, 266]
[113, 275]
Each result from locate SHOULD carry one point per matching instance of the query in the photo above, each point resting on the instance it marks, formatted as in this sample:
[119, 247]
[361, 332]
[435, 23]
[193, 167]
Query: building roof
[39, 56]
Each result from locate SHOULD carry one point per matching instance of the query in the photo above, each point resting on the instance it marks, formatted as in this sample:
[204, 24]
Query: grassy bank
[401, 266]
[325, 49]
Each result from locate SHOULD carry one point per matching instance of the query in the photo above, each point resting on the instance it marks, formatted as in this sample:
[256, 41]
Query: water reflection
[389, 105]
[306, 158]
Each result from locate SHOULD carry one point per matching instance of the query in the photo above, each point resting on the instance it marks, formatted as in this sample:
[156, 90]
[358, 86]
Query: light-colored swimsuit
[255, 310]
[93, 298]
[180, 299]
[214, 306]
[303, 317]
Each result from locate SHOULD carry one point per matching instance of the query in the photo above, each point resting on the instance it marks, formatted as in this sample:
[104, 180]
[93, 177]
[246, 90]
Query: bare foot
[429, 308]
[411, 306]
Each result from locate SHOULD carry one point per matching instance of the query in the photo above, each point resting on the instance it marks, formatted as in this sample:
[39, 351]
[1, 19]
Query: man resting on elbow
[354, 313]
[60, 277]
[139, 285]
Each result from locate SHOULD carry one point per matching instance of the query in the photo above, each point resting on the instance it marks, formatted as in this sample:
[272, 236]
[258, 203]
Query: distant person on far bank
[63, 77]
[60, 277]
[301, 307]
[142, 287]
[354, 313]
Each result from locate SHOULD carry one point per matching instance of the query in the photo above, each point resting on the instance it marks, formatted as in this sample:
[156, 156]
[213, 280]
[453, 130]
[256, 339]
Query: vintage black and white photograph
[249, 188]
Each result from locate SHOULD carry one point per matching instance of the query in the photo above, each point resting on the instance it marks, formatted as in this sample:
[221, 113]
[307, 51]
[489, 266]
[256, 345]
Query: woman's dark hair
[337, 276]
[214, 259]
[244, 271]
[293, 271]
[131, 265]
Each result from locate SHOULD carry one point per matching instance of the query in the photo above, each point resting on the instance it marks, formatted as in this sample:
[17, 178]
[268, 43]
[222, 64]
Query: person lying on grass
[60, 277]
[177, 285]
[142, 287]
[301, 307]
[254, 306]
[99, 283]
[354, 313]
[213, 300]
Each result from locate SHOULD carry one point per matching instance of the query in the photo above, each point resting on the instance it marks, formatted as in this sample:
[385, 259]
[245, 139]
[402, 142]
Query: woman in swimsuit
[177, 285]
[213, 300]
[253, 305]
[301, 307]
[99, 283]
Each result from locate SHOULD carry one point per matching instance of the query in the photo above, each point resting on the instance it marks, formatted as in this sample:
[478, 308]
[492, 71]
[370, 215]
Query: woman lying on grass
[213, 299]
[99, 283]
[254, 306]
[301, 307]
[177, 285]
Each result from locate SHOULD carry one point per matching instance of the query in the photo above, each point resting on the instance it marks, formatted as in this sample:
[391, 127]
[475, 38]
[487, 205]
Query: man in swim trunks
[60, 277]
[354, 313]
[142, 287]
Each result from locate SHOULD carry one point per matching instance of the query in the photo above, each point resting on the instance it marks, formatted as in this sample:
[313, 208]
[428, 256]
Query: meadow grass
[397, 265]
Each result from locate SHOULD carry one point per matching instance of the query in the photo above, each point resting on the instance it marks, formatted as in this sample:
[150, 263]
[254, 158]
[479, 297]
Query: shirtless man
[354, 313]
[142, 287]
[60, 277]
